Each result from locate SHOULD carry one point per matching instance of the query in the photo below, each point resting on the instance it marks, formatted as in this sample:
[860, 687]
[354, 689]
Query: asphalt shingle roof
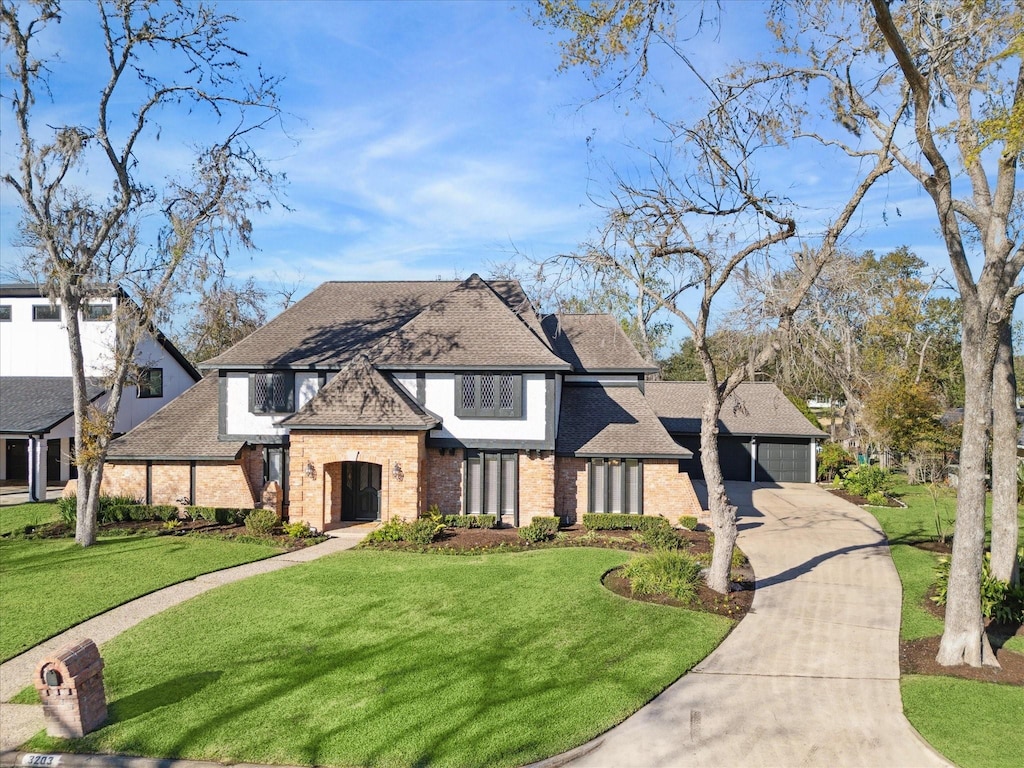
[755, 408]
[470, 327]
[612, 421]
[594, 344]
[185, 428]
[359, 397]
[36, 404]
[441, 323]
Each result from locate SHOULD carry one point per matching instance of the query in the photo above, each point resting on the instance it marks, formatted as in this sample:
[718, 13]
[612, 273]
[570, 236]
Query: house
[376, 400]
[36, 404]
[763, 437]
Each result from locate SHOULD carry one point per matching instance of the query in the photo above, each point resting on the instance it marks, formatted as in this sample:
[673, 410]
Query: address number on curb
[43, 760]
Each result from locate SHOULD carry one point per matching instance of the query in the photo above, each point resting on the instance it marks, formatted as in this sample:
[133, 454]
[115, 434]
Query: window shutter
[509, 484]
[474, 483]
[597, 485]
[492, 483]
[632, 470]
[615, 486]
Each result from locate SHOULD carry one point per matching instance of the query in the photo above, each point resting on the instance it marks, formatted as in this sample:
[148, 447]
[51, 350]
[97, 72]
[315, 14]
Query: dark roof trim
[472, 368]
[124, 459]
[363, 428]
[759, 435]
[684, 453]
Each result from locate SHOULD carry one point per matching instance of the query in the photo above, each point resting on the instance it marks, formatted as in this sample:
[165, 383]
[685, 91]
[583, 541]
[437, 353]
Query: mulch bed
[735, 605]
[860, 501]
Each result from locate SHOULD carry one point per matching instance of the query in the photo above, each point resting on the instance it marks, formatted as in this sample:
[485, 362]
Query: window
[47, 312]
[492, 483]
[151, 382]
[489, 396]
[97, 311]
[616, 485]
[5, 313]
[272, 392]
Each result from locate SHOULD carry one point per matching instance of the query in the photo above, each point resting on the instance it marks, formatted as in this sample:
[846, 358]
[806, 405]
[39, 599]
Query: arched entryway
[360, 490]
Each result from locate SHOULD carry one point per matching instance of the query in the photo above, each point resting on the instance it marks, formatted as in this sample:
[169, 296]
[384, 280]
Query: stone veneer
[315, 458]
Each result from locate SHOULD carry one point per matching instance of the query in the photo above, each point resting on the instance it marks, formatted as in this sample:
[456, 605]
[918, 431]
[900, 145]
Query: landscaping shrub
[298, 530]
[393, 530]
[422, 531]
[999, 601]
[461, 521]
[661, 537]
[117, 509]
[542, 528]
[599, 521]
[664, 573]
[867, 479]
[877, 499]
[689, 522]
[260, 522]
[220, 515]
[832, 460]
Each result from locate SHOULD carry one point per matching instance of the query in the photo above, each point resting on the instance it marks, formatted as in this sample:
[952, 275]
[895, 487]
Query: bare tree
[146, 235]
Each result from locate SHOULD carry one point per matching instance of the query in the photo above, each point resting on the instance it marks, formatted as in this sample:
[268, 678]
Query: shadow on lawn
[168, 692]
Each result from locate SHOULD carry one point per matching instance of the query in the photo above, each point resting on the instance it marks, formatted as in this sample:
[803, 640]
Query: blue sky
[432, 139]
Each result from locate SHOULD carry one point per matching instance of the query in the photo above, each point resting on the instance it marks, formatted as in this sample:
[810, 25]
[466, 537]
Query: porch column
[753, 459]
[814, 461]
[37, 468]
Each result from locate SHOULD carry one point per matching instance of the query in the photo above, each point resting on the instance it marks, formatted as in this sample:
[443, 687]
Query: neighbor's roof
[612, 421]
[755, 408]
[184, 429]
[442, 324]
[594, 344]
[359, 397]
[33, 405]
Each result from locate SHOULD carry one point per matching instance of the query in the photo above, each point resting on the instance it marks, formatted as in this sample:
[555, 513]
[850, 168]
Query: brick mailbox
[70, 684]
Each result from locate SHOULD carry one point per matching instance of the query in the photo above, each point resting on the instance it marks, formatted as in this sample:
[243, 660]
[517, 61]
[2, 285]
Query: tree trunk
[723, 513]
[1004, 462]
[963, 638]
[87, 502]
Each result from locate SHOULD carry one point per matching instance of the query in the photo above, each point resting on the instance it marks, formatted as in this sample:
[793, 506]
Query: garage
[757, 416]
[783, 461]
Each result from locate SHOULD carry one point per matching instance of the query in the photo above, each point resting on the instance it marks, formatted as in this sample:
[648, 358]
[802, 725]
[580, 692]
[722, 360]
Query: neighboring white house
[36, 411]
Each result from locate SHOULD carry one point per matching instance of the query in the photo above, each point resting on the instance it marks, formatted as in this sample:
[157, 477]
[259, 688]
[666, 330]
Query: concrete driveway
[811, 676]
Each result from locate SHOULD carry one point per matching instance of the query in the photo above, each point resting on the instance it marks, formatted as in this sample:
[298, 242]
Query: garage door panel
[784, 461]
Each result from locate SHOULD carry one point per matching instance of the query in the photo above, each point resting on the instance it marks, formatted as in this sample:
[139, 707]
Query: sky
[426, 140]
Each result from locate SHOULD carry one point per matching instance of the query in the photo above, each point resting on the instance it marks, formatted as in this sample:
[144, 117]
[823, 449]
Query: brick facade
[444, 480]
[218, 483]
[315, 468]
[536, 485]
[570, 488]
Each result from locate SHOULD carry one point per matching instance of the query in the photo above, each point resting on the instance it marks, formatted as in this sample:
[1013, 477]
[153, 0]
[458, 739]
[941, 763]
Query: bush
[594, 521]
[541, 528]
[117, 509]
[297, 530]
[662, 537]
[664, 573]
[999, 601]
[832, 460]
[393, 530]
[689, 522]
[877, 499]
[260, 522]
[867, 479]
[220, 515]
[67, 506]
[422, 531]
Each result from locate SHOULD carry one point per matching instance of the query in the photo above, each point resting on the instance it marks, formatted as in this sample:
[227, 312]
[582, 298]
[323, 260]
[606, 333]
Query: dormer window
[272, 392]
[489, 395]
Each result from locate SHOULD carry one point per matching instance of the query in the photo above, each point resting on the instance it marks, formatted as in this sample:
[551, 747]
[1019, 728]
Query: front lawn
[15, 518]
[940, 706]
[49, 585]
[396, 659]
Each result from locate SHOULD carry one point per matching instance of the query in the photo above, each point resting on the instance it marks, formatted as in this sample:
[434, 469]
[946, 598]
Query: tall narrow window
[151, 382]
[492, 483]
[616, 485]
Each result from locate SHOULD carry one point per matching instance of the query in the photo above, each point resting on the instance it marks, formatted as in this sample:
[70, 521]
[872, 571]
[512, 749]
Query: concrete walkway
[20, 721]
[810, 677]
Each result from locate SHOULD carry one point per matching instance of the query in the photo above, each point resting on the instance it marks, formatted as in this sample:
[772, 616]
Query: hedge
[595, 521]
[471, 521]
[222, 515]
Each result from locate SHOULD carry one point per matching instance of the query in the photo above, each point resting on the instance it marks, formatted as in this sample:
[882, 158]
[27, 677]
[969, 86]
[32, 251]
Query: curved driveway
[811, 676]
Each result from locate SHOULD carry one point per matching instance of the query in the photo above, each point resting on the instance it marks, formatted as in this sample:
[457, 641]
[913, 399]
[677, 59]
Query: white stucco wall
[238, 419]
[440, 400]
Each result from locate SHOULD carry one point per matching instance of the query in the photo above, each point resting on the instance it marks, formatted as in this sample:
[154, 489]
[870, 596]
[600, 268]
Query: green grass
[49, 585]
[396, 659]
[939, 706]
[972, 723]
[15, 518]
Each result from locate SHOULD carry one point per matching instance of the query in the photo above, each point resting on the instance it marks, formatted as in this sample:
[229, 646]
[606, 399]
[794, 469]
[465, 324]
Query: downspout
[753, 458]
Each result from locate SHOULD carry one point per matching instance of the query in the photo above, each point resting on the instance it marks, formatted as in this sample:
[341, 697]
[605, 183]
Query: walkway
[20, 721]
[810, 677]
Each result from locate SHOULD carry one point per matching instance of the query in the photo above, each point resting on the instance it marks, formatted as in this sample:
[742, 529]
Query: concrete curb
[13, 758]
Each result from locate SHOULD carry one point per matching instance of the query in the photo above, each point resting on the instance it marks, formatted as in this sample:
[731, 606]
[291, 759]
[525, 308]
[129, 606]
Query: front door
[360, 483]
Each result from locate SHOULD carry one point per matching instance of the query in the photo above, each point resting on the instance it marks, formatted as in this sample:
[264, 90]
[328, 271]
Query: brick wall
[170, 482]
[316, 497]
[570, 488]
[224, 484]
[127, 479]
[443, 479]
[536, 485]
[667, 491]
[218, 483]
